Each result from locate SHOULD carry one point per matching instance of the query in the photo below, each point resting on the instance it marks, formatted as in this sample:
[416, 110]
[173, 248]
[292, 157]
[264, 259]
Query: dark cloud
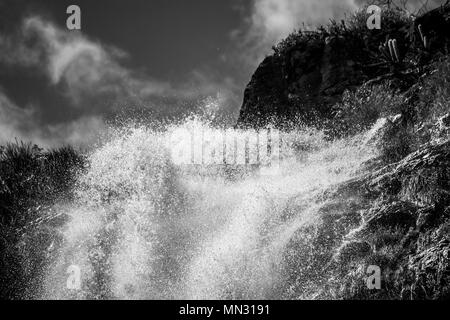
[94, 81]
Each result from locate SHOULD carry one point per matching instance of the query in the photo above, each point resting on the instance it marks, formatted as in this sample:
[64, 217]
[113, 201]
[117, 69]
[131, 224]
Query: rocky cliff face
[309, 71]
[406, 226]
[397, 216]
[307, 79]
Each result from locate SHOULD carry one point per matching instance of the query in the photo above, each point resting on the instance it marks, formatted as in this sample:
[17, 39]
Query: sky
[149, 59]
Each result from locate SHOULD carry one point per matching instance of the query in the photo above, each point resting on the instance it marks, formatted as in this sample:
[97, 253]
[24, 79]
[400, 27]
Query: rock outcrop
[407, 225]
[396, 218]
[309, 71]
[309, 77]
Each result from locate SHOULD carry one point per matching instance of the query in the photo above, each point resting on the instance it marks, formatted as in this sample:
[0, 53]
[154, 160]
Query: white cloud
[272, 20]
[275, 19]
[83, 66]
[94, 79]
[87, 68]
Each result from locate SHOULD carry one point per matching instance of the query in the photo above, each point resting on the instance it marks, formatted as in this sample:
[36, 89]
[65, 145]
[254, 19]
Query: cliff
[309, 71]
[343, 79]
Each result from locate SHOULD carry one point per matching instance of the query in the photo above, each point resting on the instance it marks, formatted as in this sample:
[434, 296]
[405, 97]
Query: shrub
[434, 96]
[31, 179]
[362, 42]
[359, 110]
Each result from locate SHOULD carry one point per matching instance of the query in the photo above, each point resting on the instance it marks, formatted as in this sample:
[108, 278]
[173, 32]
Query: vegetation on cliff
[342, 78]
[310, 71]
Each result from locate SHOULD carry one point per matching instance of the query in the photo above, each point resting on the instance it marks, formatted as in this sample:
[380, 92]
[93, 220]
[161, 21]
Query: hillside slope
[343, 79]
[309, 71]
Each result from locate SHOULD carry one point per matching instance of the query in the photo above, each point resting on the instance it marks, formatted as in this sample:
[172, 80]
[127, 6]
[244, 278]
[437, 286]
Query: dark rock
[397, 214]
[305, 80]
[405, 229]
[436, 26]
[338, 69]
[422, 177]
[352, 251]
[428, 217]
[431, 268]
[265, 95]
[443, 126]
[445, 121]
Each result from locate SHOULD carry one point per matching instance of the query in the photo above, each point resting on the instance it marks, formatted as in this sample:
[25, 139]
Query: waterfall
[144, 227]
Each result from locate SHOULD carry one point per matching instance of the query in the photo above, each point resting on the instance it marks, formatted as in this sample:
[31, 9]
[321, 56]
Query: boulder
[305, 81]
